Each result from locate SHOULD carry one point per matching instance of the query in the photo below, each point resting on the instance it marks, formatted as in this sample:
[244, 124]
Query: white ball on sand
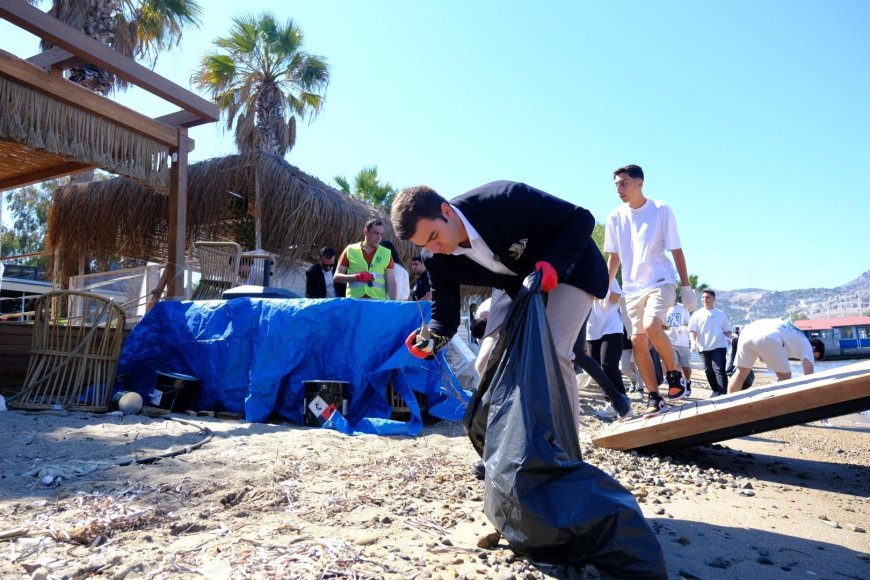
[130, 403]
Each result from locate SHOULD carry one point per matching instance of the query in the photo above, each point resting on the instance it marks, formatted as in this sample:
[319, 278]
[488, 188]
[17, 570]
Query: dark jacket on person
[315, 284]
[522, 226]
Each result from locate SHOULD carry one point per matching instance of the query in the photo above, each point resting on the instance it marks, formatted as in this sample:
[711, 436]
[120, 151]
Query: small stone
[747, 485]
[488, 542]
[659, 511]
[446, 541]
[855, 528]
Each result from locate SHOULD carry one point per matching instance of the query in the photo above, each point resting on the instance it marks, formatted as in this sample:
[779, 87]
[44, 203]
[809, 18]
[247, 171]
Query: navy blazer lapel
[488, 232]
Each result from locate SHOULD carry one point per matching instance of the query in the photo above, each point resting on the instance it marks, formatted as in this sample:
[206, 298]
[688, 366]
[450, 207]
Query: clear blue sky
[750, 119]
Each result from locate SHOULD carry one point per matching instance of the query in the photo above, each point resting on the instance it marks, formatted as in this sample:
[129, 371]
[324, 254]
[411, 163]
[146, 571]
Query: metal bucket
[175, 392]
[322, 399]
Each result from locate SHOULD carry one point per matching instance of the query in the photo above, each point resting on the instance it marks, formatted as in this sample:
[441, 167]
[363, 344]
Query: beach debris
[856, 528]
[13, 533]
[489, 541]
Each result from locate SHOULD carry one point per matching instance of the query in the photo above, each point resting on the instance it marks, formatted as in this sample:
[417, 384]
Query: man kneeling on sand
[774, 341]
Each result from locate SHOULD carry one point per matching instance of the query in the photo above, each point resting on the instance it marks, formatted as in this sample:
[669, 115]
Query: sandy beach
[232, 499]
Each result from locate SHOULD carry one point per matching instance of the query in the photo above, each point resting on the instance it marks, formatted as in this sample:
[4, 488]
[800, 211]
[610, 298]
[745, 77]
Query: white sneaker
[607, 412]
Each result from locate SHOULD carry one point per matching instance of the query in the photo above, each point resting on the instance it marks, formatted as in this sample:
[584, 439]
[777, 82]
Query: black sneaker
[655, 405]
[479, 470]
[676, 385]
[688, 388]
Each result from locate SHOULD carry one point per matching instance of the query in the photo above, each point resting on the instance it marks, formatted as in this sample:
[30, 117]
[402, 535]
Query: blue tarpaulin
[252, 356]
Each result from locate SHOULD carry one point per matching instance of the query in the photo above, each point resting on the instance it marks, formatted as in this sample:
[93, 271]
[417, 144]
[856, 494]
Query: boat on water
[845, 337]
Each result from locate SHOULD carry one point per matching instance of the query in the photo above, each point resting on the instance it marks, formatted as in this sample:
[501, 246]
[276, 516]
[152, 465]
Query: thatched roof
[299, 213]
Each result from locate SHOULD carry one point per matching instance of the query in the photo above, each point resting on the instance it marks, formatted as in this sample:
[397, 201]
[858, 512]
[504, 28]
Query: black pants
[714, 368]
[607, 350]
[593, 368]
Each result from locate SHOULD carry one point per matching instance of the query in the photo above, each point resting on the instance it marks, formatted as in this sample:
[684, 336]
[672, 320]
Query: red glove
[549, 278]
[425, 348]
[365, 277]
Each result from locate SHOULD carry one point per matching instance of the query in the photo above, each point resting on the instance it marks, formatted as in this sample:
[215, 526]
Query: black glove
[424, 348]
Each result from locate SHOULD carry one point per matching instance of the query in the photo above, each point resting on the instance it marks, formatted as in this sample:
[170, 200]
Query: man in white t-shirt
[774, 341]
[678, 333]
[710, 329]
[636, 235]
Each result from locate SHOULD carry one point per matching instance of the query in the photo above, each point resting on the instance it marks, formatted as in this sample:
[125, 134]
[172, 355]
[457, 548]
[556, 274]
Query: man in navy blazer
[495, 236]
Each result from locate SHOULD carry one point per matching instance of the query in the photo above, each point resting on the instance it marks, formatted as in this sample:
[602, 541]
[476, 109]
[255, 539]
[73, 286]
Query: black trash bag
[540, 495]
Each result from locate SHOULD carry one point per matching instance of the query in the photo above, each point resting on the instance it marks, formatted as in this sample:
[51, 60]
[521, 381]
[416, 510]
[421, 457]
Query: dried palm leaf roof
[41, 136]
[299, 213]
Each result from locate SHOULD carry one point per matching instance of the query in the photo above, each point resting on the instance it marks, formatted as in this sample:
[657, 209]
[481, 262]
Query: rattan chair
[219, 268]
[77, 338]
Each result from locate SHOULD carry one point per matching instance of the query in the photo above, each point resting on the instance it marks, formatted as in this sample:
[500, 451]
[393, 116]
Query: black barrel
[322, 398]
[175, 392]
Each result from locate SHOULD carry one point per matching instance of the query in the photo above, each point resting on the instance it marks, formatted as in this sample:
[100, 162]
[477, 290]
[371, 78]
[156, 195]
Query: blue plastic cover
[252, 356]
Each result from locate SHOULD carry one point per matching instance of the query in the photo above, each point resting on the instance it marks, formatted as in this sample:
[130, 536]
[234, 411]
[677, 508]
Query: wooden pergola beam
[55, 57]
[40, 175]
[181, 119]
[177, 217]
[59, 34]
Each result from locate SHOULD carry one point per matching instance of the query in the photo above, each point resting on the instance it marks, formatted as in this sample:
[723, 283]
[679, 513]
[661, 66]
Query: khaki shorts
[768, 348]
[681, 356]
[653, 303]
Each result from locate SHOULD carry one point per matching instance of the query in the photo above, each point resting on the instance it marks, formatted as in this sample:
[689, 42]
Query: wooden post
[177, 217]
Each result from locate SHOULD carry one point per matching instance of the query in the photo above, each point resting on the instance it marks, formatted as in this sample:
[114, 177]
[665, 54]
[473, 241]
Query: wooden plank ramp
[802, 399]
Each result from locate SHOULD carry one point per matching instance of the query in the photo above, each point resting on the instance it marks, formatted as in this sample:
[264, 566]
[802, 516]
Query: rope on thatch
[45, 124]
[298, 212]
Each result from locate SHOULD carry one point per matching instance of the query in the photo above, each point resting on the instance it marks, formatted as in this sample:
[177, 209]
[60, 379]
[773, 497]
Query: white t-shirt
[604, 317]
[678, 325]
[640, 238]
[710, 327]
[403, 282]
[330, 284]
[797, 345]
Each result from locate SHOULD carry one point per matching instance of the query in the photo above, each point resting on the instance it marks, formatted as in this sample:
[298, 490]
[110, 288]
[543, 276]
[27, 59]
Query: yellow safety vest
[357, 263]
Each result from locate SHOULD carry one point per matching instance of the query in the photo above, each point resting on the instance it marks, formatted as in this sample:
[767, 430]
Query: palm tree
[262, 80]
[367, 187]
[138, 29]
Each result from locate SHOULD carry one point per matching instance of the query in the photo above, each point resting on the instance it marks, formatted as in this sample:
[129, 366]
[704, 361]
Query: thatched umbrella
[299, 213]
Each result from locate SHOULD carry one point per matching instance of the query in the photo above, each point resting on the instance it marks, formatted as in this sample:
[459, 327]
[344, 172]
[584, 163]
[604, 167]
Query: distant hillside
[748, 304]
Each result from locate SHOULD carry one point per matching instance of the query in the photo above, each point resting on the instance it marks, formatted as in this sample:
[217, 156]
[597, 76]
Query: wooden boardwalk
[799, 400]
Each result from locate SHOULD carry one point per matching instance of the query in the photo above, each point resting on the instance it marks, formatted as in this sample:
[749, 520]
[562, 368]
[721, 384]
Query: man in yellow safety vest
[367, 267]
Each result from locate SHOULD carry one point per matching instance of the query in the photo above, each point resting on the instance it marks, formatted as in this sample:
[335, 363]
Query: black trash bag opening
[539, 494]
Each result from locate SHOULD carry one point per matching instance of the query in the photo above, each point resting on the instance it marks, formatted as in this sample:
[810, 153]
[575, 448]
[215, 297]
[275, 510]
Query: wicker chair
[219, 268]
[77, 338]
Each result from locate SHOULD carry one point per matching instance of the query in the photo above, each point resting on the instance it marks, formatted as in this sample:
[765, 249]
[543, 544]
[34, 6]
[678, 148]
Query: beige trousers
[568, 307]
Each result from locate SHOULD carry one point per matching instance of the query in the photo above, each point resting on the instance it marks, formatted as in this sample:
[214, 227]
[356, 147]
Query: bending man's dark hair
[413, 204]
[819, 346]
